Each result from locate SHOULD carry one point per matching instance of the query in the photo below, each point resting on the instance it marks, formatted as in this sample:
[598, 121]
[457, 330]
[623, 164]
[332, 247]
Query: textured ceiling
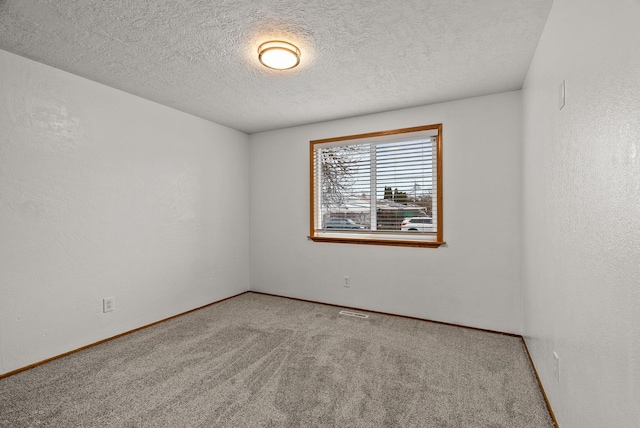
[358, 56]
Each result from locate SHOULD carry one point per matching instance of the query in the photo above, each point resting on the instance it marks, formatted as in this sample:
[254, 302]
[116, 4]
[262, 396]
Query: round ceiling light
[279, 55]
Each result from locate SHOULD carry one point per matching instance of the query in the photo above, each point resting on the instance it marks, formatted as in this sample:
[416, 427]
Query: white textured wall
[581, 237]
[474, 280]
[106, 194]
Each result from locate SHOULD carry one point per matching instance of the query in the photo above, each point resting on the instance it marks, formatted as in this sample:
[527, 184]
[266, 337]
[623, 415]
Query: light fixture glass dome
[278, 55]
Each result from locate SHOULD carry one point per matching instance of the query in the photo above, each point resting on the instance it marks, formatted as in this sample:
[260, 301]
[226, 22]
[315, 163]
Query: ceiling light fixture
[278, 55]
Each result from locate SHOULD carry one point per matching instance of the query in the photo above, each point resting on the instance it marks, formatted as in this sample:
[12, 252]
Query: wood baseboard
[391, 314]
[544, 394]
[30, 366]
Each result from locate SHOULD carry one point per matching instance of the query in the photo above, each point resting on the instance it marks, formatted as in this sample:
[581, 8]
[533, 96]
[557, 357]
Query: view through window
[379, 188]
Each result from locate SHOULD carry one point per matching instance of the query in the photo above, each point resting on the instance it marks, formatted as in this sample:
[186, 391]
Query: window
[383, 188]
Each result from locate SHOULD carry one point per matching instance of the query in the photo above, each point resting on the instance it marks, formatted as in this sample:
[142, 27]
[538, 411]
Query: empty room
[274, 213]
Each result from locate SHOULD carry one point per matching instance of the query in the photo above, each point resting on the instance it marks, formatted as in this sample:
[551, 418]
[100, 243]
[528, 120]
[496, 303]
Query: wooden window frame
[390, 239]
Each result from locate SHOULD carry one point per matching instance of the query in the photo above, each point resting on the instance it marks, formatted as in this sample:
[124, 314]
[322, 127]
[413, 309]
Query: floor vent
[353, 314]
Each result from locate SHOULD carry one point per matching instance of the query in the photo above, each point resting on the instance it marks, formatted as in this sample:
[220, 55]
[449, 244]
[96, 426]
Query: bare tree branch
[339, 167]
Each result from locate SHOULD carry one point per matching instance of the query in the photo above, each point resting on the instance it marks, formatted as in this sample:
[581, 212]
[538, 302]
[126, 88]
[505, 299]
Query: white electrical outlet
[347, 281]
[107, 304]
[556, 366]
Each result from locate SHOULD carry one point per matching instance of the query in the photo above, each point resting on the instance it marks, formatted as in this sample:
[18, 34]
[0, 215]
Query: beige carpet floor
[263, 361]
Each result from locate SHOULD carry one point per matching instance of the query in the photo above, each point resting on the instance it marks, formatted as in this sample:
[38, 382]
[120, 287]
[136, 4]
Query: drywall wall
[103, 194]
[581, 239]
[474, 280]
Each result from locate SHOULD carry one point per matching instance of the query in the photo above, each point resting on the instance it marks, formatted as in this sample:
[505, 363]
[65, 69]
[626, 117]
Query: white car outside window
[418, 224]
